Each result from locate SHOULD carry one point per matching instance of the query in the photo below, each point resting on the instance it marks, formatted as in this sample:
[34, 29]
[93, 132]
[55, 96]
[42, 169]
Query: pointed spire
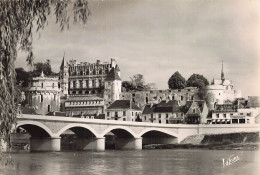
[222, 73]
[62, 63]
[42, 74]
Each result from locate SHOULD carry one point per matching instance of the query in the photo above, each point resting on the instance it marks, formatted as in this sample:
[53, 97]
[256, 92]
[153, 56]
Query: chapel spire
[222, 73]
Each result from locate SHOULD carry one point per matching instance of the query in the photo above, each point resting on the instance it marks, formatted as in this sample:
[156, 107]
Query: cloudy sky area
[157, 38]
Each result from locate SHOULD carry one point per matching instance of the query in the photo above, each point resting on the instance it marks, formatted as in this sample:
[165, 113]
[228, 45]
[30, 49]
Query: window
[217, 115]
[181, 98]
[93, 83]
[74, 84]
[231, 114]
[80, 92]
[52, 85]
[124, 119]
[86, 83]
[99, 83]
[160, 121]
[80, 84]
[42, 85]
[191, 97]
[225, 115]
[132, 113]
[167, 121]
[248, 114]
[124, 113]
[194, 110]
[144, 117]
[167, 116]
[41, 98]
[160, 116]
[54, 97]
[108, 114]
[241, 113]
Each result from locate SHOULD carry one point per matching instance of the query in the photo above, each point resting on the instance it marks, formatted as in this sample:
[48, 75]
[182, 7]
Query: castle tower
[113, 84]
[64, 77]
[44, 94]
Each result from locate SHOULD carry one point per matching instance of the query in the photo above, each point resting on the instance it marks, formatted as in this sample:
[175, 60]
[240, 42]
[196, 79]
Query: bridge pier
[129, 143]
[97, 144]
[45, 144]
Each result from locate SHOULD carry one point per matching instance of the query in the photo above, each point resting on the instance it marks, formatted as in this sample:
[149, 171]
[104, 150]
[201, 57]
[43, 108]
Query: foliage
[176, 81]
[17, 18]
[197, 80]
[42, 67]
[22, 77]
[137, 83]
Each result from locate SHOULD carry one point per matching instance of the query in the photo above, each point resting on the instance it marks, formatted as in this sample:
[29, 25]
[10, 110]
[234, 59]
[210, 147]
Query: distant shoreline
[238, 146]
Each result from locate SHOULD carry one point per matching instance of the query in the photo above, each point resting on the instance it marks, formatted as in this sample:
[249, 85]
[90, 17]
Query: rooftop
[123, 104]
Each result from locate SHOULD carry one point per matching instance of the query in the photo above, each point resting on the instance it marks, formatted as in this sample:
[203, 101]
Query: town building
[44, 94]
[84, 105]
[222, 90]
[196, 112]
[124, 110]
[166, 112]
[245, 112]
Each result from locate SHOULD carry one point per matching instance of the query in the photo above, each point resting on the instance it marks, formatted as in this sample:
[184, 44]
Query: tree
[137, 83]
[42, 67]
[197, 80]
[176, 81]
[22, 77]
[17, 19]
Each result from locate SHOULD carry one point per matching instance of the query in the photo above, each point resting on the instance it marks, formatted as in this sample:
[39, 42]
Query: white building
[44, 94]
[222, 90]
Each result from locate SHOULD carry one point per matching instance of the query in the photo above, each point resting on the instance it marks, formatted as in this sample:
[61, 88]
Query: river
[157, 162]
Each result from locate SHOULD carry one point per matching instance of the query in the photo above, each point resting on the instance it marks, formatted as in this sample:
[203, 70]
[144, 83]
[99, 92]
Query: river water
[157, 162]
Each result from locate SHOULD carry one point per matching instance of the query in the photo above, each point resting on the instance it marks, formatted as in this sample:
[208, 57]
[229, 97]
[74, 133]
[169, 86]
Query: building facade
[196, 112]
[166, 112]
[124, 110]
[88, 87]
[44, 94]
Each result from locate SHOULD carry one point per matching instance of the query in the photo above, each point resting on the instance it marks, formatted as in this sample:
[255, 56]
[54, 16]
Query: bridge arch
[127, 129]
[77, 125]
[165, 131]
[34, 128]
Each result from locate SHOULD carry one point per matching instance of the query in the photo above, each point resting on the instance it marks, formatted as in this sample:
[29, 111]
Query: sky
[156, 38]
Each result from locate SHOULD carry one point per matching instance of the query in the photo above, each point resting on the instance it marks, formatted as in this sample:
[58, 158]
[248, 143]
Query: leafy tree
[22, 77]
[42, 67]
[137, 83]
[197, 80]
[176, 81]
[17, 19]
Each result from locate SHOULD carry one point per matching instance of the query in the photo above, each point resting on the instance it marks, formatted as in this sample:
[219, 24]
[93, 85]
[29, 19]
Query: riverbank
[234, 141]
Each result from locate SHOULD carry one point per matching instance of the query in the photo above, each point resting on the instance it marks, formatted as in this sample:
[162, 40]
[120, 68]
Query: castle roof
[171, 106]
[112, 75]
[123, 104]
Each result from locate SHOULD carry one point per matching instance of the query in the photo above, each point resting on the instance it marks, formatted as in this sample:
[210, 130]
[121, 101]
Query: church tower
[222, 73]
[64, 77]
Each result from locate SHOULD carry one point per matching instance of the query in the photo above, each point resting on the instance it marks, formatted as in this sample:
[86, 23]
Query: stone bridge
[45, 132]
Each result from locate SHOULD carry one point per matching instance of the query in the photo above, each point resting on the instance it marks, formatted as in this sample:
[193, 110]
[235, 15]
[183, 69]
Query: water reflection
[134, 162]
